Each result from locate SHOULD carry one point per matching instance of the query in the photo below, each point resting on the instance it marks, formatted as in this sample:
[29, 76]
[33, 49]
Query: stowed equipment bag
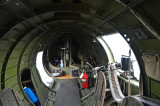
[152, 65]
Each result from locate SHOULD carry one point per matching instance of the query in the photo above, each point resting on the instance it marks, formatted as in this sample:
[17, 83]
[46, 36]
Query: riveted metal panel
[20, 45]
[15, 54]
[27, 51]
[5, 45]
[2, 55]
[155, 85]
[23, 65]
[25, 58]
[21, 95]
[12, 63]
[25, 102]
[16, 87]
[11, 82]
[10, 73]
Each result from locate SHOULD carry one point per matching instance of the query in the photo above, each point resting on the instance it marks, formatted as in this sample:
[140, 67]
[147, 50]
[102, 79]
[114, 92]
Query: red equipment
[85, 80]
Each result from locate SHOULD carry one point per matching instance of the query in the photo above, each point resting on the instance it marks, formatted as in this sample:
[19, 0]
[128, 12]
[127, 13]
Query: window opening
[118, 47]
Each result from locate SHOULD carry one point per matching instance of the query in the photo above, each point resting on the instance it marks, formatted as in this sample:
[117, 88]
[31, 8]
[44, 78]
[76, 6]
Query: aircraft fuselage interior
[79, 53]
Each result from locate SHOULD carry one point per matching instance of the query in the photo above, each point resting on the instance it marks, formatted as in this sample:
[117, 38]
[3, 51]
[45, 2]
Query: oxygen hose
[94, 71]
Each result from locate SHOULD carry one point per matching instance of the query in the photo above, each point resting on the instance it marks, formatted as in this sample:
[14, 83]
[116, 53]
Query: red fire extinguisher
[84, 77]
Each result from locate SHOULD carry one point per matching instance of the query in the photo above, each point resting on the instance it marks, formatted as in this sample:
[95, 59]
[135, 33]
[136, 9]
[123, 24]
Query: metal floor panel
[9, 97]
[68, 94]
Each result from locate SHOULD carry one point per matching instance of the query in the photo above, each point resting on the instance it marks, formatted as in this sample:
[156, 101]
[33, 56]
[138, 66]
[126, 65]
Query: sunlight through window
[119, 47]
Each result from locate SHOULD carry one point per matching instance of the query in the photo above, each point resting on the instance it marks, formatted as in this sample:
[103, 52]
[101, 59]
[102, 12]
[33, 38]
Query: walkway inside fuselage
[68, 93]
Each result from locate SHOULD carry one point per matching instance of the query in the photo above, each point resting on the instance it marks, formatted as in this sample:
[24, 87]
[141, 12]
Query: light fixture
[17, 4]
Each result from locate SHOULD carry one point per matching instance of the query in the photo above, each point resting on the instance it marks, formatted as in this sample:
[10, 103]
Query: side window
[119, 46]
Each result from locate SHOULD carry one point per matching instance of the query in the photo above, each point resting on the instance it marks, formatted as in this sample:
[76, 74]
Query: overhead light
[128, 39]
[94, 40]
[17, 3]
